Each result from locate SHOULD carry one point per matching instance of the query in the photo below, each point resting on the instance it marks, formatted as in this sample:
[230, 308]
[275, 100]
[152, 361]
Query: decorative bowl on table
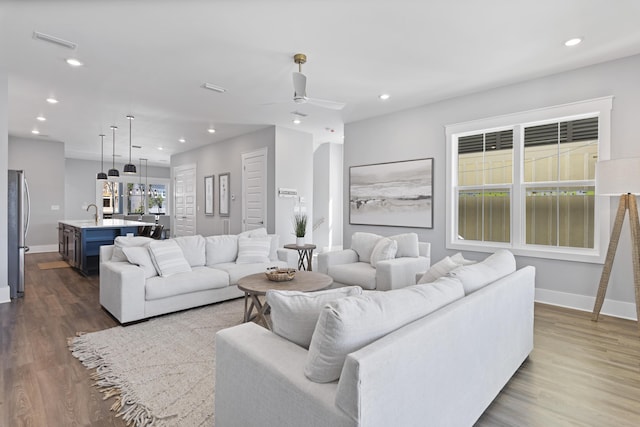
[280, 274]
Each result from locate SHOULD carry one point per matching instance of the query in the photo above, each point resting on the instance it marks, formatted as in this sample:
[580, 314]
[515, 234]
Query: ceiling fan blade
[299, 85]
[332, 105]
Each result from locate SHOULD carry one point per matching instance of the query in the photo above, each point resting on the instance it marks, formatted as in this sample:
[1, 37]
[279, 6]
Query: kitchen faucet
[95, 217]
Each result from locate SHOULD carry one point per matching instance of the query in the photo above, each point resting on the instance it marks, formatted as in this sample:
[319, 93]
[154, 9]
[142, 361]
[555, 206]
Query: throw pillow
[193, 248]
[407, 245]
[348, 324]
[437, 270]
[124, 241]
[168, 258]
[139, 255]
[383, 250]
[275, 242]
[460, 260]
[258, 232]
[294, 314]
[363, 244]
[253, 249]
[220, 249]
[494, 267]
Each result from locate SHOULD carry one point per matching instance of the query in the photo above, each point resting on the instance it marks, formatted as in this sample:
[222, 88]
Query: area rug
[53, 264]
[160, 372]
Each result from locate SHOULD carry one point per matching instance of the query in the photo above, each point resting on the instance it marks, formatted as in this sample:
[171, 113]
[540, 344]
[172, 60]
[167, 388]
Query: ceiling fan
[300, 88]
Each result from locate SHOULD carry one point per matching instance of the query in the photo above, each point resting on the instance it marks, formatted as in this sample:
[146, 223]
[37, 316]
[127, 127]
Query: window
[141, 201]
[526, 182]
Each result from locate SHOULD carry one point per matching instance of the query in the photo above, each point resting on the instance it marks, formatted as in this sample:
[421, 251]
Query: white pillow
[258, 232]
[193, 248]
[168, 258]
[348, 324]
[275, 242]
[383, 250]
[221, 249]
[407, 245]
[363, 244]
[124, 241]
[139, 255]
[437, 270]
[494, 267]
[294, 314]
[253, 249]
[459, 259]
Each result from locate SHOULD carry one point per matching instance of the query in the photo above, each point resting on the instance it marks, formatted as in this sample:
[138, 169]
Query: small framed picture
[208, 195]
[223, 193]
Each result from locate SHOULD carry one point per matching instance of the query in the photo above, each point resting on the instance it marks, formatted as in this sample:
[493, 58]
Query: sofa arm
[260, 381]
[327, 259]
[399, 272]
[122, 290]
[289, 256]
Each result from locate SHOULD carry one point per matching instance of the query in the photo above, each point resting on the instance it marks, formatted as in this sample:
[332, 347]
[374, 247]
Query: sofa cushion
[199, 279]
[140, 256]
[383, 250]
[126, 241]
[437, 270]
[193, 248]
[358, 274]
[236, 271]
[253, 249]
[494, 267]
[363, 244]
[221, 249]
[168, 258]
[407, 245]
[348, 324]
[294, 314]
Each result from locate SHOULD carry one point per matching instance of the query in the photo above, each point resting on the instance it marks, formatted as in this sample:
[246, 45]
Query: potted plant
[300, 227]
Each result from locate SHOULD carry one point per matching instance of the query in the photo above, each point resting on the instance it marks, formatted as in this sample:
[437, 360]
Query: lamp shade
[619, 176]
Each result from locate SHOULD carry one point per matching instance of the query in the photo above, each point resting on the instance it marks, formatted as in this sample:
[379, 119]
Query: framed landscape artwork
[223, 192]
[208, 195]
[392, 194]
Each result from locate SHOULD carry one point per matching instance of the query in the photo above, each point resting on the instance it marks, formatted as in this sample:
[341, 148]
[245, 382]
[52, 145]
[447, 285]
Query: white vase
[299, 241]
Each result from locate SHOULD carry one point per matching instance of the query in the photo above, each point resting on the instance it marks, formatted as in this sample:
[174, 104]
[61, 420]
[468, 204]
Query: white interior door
[254, 189]
[184, 221]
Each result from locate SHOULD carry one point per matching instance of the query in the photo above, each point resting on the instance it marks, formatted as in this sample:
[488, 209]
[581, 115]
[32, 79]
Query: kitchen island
[79, 241]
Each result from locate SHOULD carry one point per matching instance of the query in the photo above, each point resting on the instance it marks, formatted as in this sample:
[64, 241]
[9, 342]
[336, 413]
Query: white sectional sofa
[442, 369]
[377, 262]
[185, 272]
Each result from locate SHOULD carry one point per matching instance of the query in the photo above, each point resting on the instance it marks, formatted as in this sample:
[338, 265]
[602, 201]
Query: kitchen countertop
[102, 223]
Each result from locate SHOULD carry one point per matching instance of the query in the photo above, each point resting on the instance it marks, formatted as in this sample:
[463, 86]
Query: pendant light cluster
[129, 168]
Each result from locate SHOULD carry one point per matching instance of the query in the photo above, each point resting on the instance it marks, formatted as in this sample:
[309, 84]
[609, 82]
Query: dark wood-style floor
[580, 373]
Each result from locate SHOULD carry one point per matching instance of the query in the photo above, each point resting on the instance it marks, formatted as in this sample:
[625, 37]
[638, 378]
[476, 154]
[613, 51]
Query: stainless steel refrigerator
[18, 216]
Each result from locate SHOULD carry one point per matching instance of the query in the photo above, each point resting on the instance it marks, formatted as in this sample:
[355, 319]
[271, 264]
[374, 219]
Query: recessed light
[160, 148]
[573, 42]
[41, 118]
[74, 62]
[384, 96]
[52, 100]
[182, 140]
[35, 132]
[297, 121]
[211, 130]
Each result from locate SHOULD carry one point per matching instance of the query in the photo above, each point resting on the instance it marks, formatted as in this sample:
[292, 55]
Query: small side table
[304, 253]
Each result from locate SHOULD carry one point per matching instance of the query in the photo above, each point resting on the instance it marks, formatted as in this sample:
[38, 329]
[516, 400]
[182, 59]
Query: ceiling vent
[214, 88]
[54, 40]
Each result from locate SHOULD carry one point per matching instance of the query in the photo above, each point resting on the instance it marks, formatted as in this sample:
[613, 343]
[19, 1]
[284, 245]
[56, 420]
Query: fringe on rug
[126, 404]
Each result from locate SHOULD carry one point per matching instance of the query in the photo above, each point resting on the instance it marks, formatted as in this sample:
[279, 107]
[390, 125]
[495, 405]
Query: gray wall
[419, 132]
[43, 163]
[80, 184]
[4, 155]
[327, 196]
[225, 156]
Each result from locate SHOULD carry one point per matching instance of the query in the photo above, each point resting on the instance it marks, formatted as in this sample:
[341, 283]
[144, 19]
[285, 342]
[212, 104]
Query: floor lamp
[620, 177]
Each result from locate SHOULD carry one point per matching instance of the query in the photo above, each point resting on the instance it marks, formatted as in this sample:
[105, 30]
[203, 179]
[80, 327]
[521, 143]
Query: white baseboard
[38, 249]
[5, 294]
[624, 310]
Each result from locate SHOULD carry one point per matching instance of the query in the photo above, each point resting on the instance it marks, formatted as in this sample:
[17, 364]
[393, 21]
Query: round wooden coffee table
[256, 285]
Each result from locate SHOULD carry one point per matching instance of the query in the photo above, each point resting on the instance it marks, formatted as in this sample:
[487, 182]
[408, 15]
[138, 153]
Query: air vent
[54, 40]
[136, 146]
[299, 114]
[214, 88]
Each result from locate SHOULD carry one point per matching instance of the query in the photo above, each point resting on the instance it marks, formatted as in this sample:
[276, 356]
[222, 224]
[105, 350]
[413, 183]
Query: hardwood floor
[581, 373]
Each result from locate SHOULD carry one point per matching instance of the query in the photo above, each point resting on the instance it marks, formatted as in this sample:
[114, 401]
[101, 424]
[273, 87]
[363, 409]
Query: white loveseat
[442, 369]
[202, 271]
[368, 265]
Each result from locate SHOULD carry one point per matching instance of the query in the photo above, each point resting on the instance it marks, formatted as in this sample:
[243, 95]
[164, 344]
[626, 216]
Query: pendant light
[113, 171]
[101, 175]
[129, 168]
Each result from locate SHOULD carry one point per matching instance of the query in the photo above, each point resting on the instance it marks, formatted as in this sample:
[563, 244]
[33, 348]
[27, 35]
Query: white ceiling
[149, 59]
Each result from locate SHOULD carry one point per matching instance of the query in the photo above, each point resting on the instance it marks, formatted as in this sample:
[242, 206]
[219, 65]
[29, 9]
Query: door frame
[264, 151]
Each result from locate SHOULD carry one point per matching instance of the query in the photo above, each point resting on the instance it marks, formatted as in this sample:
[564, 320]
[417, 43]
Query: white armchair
[360, 265]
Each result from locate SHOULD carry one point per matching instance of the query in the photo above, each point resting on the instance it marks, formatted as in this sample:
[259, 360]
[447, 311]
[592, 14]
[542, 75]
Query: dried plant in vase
[300, 227]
